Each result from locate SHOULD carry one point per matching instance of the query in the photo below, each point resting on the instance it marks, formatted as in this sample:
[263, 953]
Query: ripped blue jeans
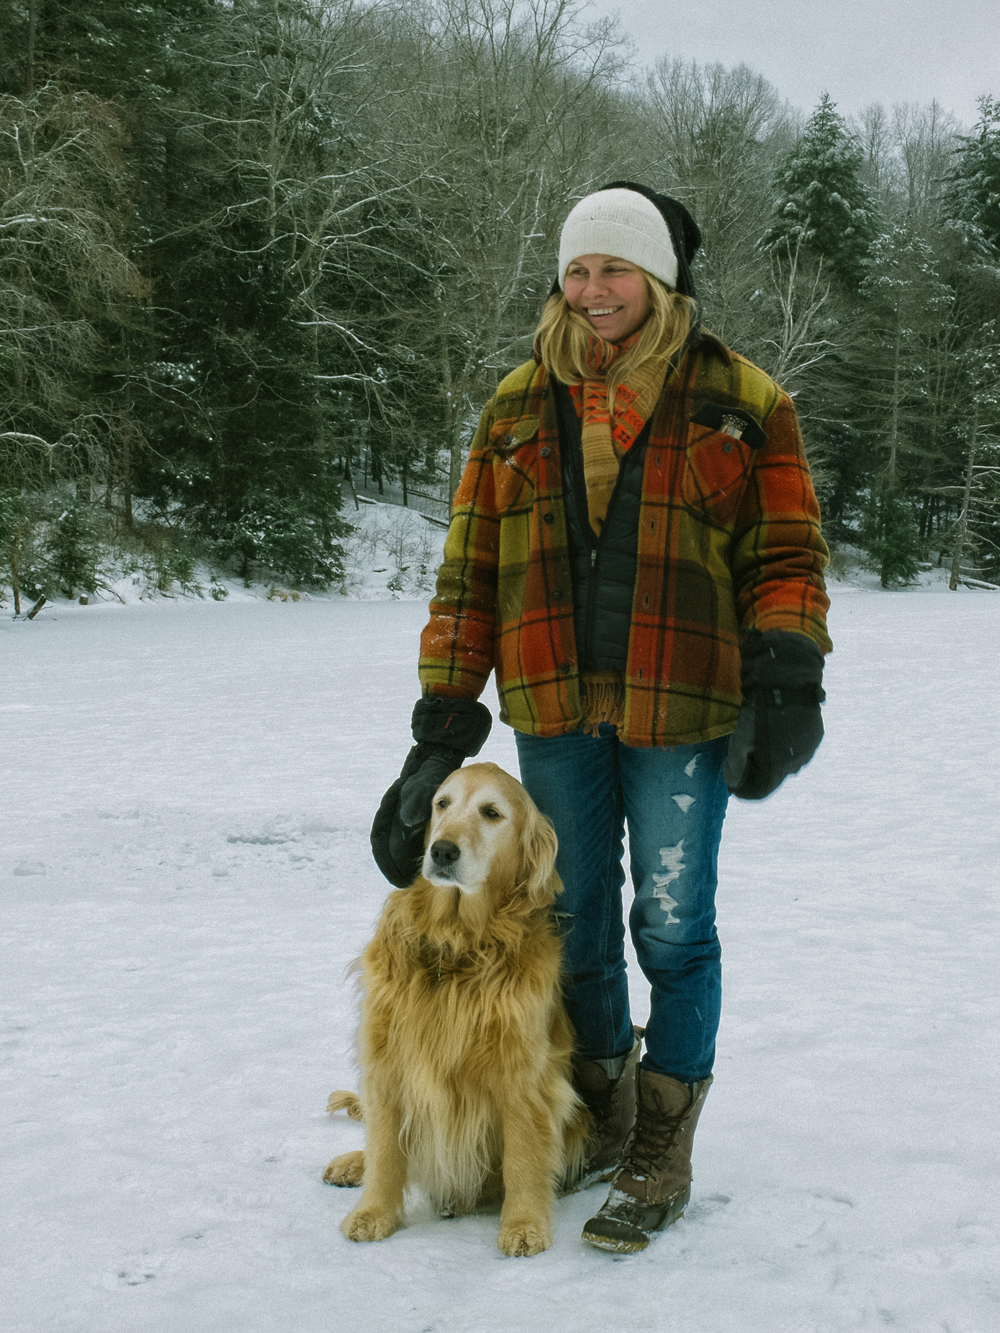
[675, 803]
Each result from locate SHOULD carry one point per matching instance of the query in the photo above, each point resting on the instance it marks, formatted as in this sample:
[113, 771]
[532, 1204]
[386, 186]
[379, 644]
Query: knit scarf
[609, 430]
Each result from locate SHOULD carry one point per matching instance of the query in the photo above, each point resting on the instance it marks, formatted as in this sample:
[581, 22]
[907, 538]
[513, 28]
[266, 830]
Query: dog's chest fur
[443, 966]
[441, 1004]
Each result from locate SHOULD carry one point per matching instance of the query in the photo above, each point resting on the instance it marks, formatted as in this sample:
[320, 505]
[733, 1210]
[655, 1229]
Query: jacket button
[508, 439]
[549, 518]
[564, 668]
[557, 594]
[545, 451]
[727, 448]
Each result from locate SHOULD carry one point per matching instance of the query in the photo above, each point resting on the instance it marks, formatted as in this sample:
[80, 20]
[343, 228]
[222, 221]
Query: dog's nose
[444, 853]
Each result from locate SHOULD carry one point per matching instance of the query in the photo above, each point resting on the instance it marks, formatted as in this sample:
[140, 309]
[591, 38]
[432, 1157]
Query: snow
[851, 570]
[391, 553]
[187, 793]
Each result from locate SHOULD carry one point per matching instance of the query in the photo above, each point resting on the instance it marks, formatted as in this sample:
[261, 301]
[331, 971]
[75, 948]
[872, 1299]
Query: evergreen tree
[889, 534]
[974, 486]
[909, 322]
[974, 184]
[822, 205]
[227, 392]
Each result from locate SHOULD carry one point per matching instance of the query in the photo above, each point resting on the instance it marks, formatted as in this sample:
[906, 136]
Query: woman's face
[609, 293]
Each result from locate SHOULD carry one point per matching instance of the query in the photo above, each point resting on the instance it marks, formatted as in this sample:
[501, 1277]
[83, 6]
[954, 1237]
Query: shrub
[890, 535]
[284, 537]
[74, 550]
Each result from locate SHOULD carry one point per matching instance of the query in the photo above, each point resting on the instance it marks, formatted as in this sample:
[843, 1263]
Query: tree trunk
[348, 475]
[894, 418]
[14, 582]
[450, 425]
[127, 477]
[29, 73]
[963, 520]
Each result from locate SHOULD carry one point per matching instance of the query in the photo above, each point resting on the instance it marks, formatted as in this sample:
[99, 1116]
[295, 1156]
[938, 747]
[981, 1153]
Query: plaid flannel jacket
[729, 541]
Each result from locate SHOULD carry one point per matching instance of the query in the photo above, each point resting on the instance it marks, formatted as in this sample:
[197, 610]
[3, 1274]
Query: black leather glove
[446, 731]
[780, 724]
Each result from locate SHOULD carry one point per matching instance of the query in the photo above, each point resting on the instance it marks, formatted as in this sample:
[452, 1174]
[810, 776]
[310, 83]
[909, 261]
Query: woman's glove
[780, 724]
[446, 731]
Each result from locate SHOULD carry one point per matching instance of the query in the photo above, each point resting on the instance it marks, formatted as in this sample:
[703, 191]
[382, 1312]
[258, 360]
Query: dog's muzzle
[444, 855]
[442, 866]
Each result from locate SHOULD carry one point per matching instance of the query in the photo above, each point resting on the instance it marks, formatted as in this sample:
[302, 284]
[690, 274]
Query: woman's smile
[610, 293]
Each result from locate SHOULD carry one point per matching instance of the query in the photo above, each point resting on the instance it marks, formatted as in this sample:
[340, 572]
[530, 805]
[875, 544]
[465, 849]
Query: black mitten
[446, 731]
[780, 724]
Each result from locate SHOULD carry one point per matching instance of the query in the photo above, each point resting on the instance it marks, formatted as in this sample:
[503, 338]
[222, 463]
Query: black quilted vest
[604, 568]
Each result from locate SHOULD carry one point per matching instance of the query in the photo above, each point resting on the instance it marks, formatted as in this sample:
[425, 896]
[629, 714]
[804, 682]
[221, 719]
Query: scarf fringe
[602, 698]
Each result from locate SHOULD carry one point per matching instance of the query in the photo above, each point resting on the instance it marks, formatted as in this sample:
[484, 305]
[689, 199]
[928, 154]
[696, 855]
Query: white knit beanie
[622, 223]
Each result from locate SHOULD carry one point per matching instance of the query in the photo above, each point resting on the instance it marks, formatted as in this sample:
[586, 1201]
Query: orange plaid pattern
[729, 540]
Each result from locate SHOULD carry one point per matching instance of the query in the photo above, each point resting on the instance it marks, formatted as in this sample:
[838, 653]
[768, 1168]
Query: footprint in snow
[705, 1206]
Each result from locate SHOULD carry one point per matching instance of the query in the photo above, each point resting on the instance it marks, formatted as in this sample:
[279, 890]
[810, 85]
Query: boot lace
[652, 1140]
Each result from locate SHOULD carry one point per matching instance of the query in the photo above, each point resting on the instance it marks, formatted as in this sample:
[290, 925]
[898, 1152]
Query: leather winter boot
[607, 1089]
[653, 1186]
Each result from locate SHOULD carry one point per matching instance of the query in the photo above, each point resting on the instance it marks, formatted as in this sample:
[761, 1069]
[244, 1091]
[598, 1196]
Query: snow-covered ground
[187, 790]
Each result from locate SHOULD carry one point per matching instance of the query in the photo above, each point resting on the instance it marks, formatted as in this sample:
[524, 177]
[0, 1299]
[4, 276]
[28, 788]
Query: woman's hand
[780, 724]
[446, 731]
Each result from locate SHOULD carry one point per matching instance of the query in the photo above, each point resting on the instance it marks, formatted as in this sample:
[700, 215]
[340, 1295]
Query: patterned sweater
[729, 541]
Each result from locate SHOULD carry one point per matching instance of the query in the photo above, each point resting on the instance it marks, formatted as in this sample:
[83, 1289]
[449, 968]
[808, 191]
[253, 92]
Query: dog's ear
[538, 859]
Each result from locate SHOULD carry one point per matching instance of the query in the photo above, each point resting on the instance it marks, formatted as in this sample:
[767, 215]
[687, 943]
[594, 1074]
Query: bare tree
[907, 154]
[509, 94]
[713, 136]
[800, 342]
[63, 272]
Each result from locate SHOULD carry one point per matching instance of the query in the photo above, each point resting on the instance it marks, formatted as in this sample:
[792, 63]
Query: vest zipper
[574, 450]
[574, 447]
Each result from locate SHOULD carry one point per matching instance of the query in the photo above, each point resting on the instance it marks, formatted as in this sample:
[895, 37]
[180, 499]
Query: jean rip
[672, 860]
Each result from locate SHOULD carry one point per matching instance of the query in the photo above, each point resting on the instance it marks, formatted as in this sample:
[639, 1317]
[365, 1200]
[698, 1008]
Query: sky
[860, 51]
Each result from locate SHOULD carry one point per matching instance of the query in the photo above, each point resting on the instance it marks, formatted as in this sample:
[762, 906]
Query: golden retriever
[464, 1044]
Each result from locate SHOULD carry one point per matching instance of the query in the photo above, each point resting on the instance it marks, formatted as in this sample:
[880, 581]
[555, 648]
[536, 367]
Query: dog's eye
[442, 804]
[490, 812]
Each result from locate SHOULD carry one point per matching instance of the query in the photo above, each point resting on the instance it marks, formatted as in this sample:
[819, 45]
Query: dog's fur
[464, 1044]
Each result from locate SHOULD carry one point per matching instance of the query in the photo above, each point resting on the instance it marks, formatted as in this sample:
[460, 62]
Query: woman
[635, 551]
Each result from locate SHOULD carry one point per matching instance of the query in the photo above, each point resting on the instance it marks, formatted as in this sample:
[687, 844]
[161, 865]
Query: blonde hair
[563, 336]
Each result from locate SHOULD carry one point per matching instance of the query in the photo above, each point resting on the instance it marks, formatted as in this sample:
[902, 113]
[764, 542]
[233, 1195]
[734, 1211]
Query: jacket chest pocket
[722, 442]
[515, 462]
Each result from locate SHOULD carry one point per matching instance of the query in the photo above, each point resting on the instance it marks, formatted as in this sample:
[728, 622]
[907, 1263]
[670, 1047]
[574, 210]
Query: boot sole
[639, 1238]
[613, 1246]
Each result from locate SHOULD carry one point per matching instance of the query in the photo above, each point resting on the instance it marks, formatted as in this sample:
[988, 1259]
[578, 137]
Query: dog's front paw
[368, 1224]
[521, 1238]
[347, 1169]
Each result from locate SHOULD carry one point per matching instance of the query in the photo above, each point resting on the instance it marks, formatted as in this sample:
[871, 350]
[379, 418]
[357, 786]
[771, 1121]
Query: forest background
[257, 254]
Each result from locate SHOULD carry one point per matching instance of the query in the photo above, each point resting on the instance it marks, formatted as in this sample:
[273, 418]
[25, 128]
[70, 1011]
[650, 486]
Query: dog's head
[487, 835]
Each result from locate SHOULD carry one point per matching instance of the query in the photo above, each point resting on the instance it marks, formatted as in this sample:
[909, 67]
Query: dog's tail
[345, 1101]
